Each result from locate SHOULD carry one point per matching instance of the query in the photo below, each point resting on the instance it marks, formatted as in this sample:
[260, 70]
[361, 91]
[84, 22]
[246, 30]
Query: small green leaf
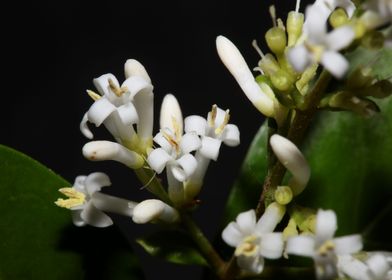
[174, 246]
[38, 240]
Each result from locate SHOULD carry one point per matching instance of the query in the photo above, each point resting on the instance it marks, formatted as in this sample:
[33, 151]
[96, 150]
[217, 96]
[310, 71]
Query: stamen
[115, 89]
[297, 6]
[326, 247]
[171, 141]
[95, 96]
[75, 198]
[257, 48]
[213, 115]
[272, 12]
[281, 24]
[220, 129]
[176, 126]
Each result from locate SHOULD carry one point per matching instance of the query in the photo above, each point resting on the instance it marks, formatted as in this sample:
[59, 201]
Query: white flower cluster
[127, 112]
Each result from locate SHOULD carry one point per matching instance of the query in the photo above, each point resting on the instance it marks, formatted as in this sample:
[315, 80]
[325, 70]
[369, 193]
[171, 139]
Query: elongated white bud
[171, 115]
[152, 210]
[106, 150]
[235, 63]
[112, 204]
[133, 67]
[292, 158]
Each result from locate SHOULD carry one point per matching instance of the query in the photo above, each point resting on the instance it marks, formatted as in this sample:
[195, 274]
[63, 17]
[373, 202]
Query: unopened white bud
[133, 67]
[292, 158]
[106, 150]
[235, 63]
[152, 210]
[171, 115]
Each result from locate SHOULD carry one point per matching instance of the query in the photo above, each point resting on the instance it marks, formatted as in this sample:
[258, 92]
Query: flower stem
[205, 247]
[151, 183]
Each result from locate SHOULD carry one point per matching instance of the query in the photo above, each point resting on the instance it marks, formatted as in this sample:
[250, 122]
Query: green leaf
[38, 240]
[174, 246]
[350, 159]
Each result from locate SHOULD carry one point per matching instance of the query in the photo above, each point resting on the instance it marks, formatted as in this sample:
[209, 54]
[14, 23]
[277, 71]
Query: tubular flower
[87, 203]
[213, 131]
[322, 247]
[152, 210]
[120, 107]
[320, 46]
[253, 240]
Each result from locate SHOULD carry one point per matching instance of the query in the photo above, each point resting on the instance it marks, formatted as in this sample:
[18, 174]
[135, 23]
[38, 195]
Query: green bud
[360, 78]
[380, 89]
[276, 39]
[294, 24]
[347, 101]
[290, 230]
[373, 40]
[281, 80]
[338, 18]
[269, 65]
[283, 195]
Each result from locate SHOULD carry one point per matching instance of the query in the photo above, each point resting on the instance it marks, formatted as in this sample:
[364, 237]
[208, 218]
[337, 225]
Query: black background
[54, 50]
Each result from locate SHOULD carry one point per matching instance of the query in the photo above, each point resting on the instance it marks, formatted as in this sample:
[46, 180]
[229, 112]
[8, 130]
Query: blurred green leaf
[174, 246]
[38, 240]
[351, 162]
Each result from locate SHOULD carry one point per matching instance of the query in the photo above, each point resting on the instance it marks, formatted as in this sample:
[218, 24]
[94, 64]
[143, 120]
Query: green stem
[205, 247]
[151, 183]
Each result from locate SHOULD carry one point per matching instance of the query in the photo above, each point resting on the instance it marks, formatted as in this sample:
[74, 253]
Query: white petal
[162, 141]
[106, 150]
[271, 245]
[84, 127]
[353, 268]
[100, 111]
[196, 124]
[315, 25]
[95, 181]
[158, 159]
[348, 244]
[271, 218]
[195, 181]
[133, 67]
[235, 63]
[94, 217]
[128, 114]
[77, 219]
[210, 147]
[231, 135]
[143, 99]
[102, 83]
[153, 209]
[232, 235]
[335, 63]
[190, 142]
[171, 114]
[175, 187]
[378, 266]
[253, 264]
[292, 158]
[339, 38]
[299, 58]
[326, 225]
[112, 204]
[301, 246]
[79, 183]
[246, 222]
[187, 165]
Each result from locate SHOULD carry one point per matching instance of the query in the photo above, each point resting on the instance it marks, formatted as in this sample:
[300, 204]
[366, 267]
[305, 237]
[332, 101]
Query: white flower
[152, 210]
[328, 6]
[120, 107]
[175, 151]
[255, 241]
[375, 266]
[213, 131]
[379, 12]
[322, 247]
[319, 46]
[88, 203]
[292, 158]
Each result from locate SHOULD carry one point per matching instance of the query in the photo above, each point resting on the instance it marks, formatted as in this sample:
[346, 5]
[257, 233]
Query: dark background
[57, 48]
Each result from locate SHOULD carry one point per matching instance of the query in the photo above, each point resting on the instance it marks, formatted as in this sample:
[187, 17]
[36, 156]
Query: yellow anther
[272, 12]
[95, 96]
[171, 141]
[326, 247]
[248, 247]
[213, 113]
[177, 129]
[75, 198]
[220, 129]
[115, 89]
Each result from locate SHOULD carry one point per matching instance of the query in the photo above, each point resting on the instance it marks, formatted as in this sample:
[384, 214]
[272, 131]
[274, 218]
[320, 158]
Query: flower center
[212, 121]
[118, 91]
[316, 50]
[326, 248]
[248, 247]
[75, 198]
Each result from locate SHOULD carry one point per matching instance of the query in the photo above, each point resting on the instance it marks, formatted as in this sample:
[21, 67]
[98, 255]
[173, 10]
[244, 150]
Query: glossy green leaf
[172, 245]
[38, 240]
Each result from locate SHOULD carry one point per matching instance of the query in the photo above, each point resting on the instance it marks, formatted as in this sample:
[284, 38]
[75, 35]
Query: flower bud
[373, 40]
[269, 65]
[281, 80]
[152, 210]
[338, 18]
[283, 195]
[276, 40]
[171, 115]
[294, 24]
